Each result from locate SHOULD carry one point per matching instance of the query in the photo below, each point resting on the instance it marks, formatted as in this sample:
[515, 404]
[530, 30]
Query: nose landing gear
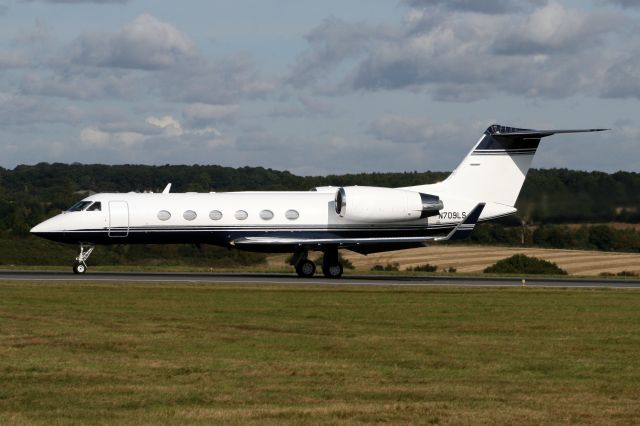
[80, 265]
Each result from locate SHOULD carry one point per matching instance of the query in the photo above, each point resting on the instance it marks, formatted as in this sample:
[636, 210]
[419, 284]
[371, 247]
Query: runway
[290, 279]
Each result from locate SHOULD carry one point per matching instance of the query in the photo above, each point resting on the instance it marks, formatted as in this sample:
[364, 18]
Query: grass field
[143, 354]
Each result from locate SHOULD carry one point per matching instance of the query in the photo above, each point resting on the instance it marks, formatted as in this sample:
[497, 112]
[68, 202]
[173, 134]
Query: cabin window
[266, 215]
[241, 215]
[79, 206]
[95, 207]
[189, 215]
[164, 215]
[215, 215]
[292, 214]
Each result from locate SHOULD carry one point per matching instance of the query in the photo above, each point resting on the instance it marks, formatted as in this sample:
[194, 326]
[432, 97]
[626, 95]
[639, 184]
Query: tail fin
[496, 167]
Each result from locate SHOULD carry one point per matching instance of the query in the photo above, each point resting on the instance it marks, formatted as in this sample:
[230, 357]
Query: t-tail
[495, 169]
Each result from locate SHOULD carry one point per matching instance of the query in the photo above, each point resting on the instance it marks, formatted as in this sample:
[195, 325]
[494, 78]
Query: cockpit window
[79, 206]
[95, 207]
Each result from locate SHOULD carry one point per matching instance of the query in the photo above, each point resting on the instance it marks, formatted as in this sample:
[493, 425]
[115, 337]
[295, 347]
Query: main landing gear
[331, 266]
[306, 268]
[80, 265]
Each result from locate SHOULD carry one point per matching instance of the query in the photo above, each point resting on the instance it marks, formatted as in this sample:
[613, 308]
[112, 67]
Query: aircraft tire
[79, 268]
[333, 271]
[306, 268]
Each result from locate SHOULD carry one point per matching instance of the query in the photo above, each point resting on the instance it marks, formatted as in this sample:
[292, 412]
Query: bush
[395, 266]
[521, 264]
[423, 268]
[620, 274]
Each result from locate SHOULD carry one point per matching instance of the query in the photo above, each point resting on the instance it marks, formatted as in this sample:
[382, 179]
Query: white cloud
[332, 42]
[82, 84]
[305, 106]
[169, 125]
[554, 28]
[354, 99]
[624, 3]
[402, 129]
[94, 137]
[146, 58]
[14, 60]
[32, 111]
[154, 131]
[146, 43]
[622, 78]
[485, 6]
[200, 114]
[544, 51]
[223, 81]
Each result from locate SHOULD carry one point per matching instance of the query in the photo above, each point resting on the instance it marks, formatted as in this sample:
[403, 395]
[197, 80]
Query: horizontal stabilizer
[504, 131]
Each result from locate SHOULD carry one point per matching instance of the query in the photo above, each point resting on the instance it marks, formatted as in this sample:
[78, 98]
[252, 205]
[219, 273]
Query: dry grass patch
[474, 259]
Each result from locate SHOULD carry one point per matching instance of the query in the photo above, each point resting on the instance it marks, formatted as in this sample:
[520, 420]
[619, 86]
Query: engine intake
[374, 204]
[431, 205]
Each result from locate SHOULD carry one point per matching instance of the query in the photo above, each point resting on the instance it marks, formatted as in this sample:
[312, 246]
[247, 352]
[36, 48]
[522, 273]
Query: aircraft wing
[364, 245]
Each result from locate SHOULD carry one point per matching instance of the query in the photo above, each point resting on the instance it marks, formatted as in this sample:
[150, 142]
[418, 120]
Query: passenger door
[118, 219]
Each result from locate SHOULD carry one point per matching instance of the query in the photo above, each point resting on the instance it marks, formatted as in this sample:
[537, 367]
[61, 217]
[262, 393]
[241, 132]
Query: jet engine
[373, 204]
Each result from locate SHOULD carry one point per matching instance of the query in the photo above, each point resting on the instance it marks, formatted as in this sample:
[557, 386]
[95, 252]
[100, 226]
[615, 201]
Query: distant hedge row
[596, 237]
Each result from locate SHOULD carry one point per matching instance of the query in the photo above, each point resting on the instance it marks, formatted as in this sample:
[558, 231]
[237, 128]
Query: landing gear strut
[331, 266]
[80, 265]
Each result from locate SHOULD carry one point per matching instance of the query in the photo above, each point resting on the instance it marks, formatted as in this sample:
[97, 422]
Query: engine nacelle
[373, 204]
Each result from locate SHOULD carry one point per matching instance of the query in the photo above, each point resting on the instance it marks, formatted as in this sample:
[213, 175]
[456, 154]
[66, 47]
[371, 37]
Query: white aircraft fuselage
[483, 187]
[219, 218]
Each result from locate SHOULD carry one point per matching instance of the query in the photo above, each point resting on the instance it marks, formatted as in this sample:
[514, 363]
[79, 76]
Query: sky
[337, 86]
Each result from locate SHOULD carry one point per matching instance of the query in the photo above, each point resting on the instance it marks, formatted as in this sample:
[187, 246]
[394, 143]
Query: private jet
[363, 219]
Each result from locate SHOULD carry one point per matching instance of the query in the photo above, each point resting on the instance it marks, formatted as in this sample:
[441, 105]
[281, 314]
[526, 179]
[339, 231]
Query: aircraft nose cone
[49, 229]
[38, 229]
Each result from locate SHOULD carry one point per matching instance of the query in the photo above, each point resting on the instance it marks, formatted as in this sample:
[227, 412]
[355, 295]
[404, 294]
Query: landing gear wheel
[333, 271]
[79, 268]
[306, 268]
[80, 265]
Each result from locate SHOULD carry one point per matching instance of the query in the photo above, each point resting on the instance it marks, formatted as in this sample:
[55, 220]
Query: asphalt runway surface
[291, 279]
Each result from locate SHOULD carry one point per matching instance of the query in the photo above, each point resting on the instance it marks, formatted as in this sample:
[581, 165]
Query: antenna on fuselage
[167, 189]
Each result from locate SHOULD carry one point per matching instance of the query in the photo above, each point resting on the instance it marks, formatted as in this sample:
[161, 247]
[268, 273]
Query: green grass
[131, 353]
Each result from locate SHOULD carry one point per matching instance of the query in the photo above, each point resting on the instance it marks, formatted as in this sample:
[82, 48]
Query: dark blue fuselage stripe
[135, 236]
